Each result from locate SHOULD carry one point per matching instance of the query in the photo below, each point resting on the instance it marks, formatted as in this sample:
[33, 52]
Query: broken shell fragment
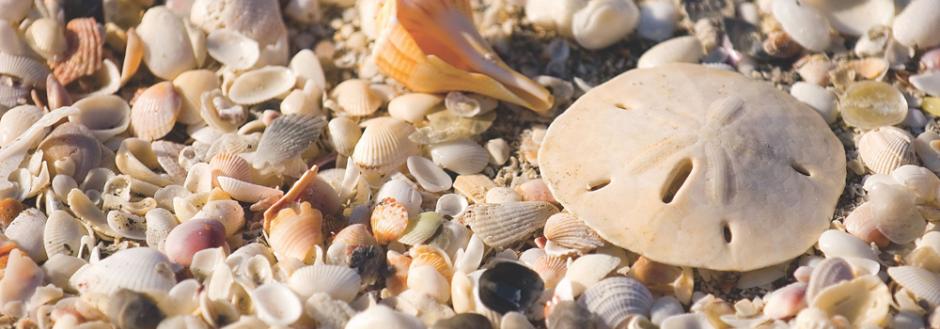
[105, 115]
[262, 84]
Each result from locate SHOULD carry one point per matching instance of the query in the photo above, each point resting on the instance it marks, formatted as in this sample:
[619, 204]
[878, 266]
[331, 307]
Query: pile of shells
[371, 164]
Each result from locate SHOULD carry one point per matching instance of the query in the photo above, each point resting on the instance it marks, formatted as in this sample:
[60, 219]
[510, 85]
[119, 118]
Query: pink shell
[192, 236]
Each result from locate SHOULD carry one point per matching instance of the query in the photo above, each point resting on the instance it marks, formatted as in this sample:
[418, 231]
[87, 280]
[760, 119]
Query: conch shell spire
[433, 46]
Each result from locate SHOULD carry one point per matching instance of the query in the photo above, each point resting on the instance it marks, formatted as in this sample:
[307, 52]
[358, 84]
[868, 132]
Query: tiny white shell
[308, 69]
[414, 107]
[431, 177]
[451, 204]
[886, 148]
[276, 305]
[602, 23]
[835, 243]
[138, 269]
[340, 282]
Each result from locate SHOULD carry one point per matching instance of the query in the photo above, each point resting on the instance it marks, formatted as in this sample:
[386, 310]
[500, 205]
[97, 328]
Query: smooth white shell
[684, 49]
[431, 177]
[604, 22]
[262, 84]
[233, 49]
[167, 48]
[276, 305]
[806, 25]
[820, 99]
[462, 156]
[917, 25]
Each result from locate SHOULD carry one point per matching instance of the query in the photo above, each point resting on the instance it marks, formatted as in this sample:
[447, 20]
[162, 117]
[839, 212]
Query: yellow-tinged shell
[85, 51]
[155, 111]
[296, 232]
[384, 146]
[427, 255]
[432, 46]
[886, 148]
[864, 301]
[389, 220]
[191, 85]
[356, 98]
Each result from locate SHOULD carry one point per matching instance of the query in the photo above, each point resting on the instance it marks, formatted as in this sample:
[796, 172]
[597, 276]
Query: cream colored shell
[694, 166]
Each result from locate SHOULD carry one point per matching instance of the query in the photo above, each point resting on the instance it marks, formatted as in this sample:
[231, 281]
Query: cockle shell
[155, 111]
[426, 255]
[232, 49]
[356, 98]
[85, 51]
[922, 283]
[500, 225]
[72, 150]
[670, 174]
[567, 231]
[805, 24]
[262, 84]
[463, 156]
[21, 278]
[137, 269]
[62, 234]
[384, 146]
[885, 149]
[234, 166]
[616, 299]
[47, 38]
[168, 50]
[389, 220]
[863, 301]
[345, 134]
[105, 115]
[550, 268]
[340, 282]
[451, 57]
[191, 85]
[916, 24]
[872, 104]
[602, 23]
[287, 137]
[30, 71]
[296, 232]
[16, 120]
[27, 231]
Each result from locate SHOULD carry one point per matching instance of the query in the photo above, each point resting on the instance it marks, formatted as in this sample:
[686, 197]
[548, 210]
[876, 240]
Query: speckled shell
[886, 148]
[384, 146]
[500, 225]
[155, 111]
[62, 234]
[615, 299]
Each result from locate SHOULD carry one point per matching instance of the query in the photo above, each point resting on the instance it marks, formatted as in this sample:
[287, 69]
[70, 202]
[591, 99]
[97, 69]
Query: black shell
[509, 286]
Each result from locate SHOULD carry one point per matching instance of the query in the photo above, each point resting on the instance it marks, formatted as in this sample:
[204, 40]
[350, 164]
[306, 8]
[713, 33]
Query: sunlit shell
[684, 49]
[59, 268]
[872, 104]
[425, 255]
[828, 272]
[426, 280]
[805, 24]
[105, 115]
[62, 234]
[862, 222]
[922, 283]
[16, 120]
[383, 316]
[137, 269]
[356, 98]
[306, 66]
[919, 180]
[502, 195]
[191, 85]
[47, 38]
[786, 302]
[893, 208]
[421, 228]
[133, 56]
[340, 282]
[259, 20]
[500, 225]
[276, 305]
[30, 71]
[384, 146]
[232, 49]
[885, 149]
[616, 299]
[835, 243]
[167, 48]
[155, 111]
[927, 253]
[262, 84]
[389, 220]
[568, 231]
[186, 239]
[550, 268]
[415, 106]
[429, 60]
[602, 23]
[345, 134]
[287, 137]
[295, 233]
[910, 27]
[71, 149]
[327, 311]
[227, 212]
[85, 51]
[234, 166]
[136, 158]
[587, 270]
[21, 278]
[159, 224]
[303, 101]
[27, 231]
[863, 301]
[464, 156]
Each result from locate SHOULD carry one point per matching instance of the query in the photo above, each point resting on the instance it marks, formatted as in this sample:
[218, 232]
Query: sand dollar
[694, 166]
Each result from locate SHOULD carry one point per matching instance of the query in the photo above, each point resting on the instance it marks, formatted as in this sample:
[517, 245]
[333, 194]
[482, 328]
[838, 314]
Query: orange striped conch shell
[432, 46]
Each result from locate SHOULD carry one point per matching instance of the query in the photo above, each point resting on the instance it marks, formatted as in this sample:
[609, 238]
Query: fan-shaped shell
[616, 299]
[262, 84]
[502, 224]
[550, 268]
[384, 146]
[85, 51]
[569, 231]
[295, 233]
[356, 98]
[72, 150]
[464, 156]
[30, 71]
[287, 137]
[62, 234]
[234, 166]
[232, 49]
[389, 220]
[344, 133]
[155, 111]
[426, 255]
[886, 148]
[137, 269]
[340, 282]
[105, 115]
[27, 231]
[863, 301]
[922, 283]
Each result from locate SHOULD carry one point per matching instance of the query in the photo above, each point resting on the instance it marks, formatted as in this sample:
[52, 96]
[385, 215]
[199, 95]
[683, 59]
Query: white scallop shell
[31, 72]
[276, 305]
[502, 224]
[462, 156]
[287, 137]
[262, 84]
[344, 133]
[155, 111]
[587, 270]
[569, 231]
[885, 149]
[356, 98]
[384, 146]
[105, 115]
[340, 282]
[431, 177]
[27, 231]
[415, 106]
[421, 228]
[803, 23]
[63, 234]
[922, 283]
[138, 269]
[232, 49]
[616, 299]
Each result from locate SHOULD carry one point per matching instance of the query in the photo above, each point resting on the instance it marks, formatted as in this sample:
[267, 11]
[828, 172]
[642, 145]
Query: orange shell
[296, 232]
[389, 220]
[85, 51]
[434, 257]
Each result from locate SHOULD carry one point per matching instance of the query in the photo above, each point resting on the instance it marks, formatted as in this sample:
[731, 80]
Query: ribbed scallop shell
[355, 235]
[422, 228]
[137, 269]
[294, 233]
[569, 231]
[886, 148]
[16, 120]
[616, 299]
[105, 115]
[62, 234]
[155, 111]
[500, 225]
[287, 137]
[27, 231]
[826, 273]
[30, 71]
[389, 220]
[86, 49]
[550, 268]
[464, 156]
[384, 146]
[75, 147]
[922, 283]
[234, 166]
[262, 84]
[246, 192]
[340, 282]
[356, 98]
[426, 255]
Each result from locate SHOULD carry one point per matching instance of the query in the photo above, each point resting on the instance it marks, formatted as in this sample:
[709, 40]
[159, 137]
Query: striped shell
[137, 269]
[426, 255]
[550, 268]
[922, 283]
[340, 282]
[356, 98]
[27, 231]
[569, 231]
[234, 166]
[262, 84]
[295, 233]
[500, 225]
[105, 115]
[616, 299]
[155, 111]
[62, 234]
[384, 146]
[287, 137]
[885, 149]
[86, 49]
[389, 220]
[421, 228]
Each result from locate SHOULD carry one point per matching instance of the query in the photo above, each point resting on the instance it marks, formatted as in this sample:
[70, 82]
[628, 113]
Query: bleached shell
[381, 316]
[859, 17]
[345, 134]
[287, 137]
[247, 192]
[27, 231]
[785, 302]
[62, 234]
[894, 211]
[602, 23]
[863, 301]
[404, 192]
[684, 49]
[227, 212]
[72, 150]
[47, 38]
[657, 19]
[21, 278]
[232, 49]
[919, 180]
[421, 228]
[451, 204]
[616, 299]
[340, 282]
[820, 99]
[500, 225]
[555, 14]
[927, 147]
[928, 82]
[886, 148]
[220, 113]
[295, 233]
[917, 24]
[569, 231]
[922, 283]
[105, 115]
[431, 177]
[327, 312]
[127, 225]
[384, 146]
[155, 111]
[501, 194]
[167, 47]
[60, 267]
[826, 273]
[159, 224]
[137, 269]
[16, 120]
[262, 84]
[804, 24]
[136, 158]
[587, 270]
[276, 305]
[30, 71]
[425, 279]
[462, 156]
[191, 85]
[415, 106]
[835, 243]
[356, 98]
[306, 66]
